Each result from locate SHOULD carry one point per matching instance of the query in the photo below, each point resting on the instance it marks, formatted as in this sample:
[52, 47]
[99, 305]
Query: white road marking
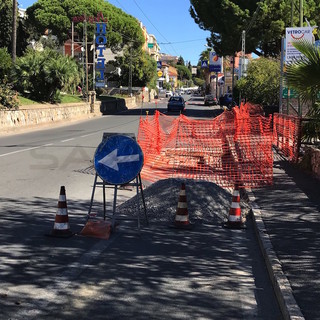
[67, 140]
[28, 149]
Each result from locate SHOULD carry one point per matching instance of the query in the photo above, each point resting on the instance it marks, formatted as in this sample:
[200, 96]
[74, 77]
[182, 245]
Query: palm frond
[304, 74]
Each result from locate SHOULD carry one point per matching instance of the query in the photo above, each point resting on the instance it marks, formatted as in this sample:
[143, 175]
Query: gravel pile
[207, 202]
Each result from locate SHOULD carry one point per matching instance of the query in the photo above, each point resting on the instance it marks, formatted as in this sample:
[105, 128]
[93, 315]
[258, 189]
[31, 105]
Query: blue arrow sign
[159, 64]
[118, 159]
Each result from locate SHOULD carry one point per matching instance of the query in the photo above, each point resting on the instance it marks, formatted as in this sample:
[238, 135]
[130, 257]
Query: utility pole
[233, 64]
[87, 75]
[301, 25]
[301, 12]
[72, 39]
[14, 30]
[130, 74]
[243, 53]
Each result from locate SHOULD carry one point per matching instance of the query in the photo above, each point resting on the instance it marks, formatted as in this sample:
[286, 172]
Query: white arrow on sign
[111, 160]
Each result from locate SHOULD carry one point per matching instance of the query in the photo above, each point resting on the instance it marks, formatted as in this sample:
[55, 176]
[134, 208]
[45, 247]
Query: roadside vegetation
[45, 75]
[304, 76]
[262, 83]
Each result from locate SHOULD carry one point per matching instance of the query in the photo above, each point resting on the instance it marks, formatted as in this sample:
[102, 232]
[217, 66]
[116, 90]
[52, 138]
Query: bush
[262, 83]
[8, 97]
[5, 64]
[44, 74]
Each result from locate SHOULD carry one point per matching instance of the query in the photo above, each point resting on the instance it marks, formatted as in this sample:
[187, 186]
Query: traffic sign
[291, 93]
[118, 159]
[204, 64]
[160, 73]
[159, 64]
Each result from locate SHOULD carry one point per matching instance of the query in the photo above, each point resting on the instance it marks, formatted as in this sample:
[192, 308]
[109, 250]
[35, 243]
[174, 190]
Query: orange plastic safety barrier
[233, 147]
[287, 135]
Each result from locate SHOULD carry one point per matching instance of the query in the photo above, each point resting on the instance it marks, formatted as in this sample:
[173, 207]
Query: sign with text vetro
[293, 35]
[101, 41]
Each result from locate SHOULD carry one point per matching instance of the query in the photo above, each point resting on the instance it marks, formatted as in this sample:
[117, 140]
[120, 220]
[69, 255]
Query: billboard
[296, 35]
[215, 62]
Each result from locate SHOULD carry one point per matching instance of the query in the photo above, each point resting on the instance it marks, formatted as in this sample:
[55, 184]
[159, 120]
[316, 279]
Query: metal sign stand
[139, 190]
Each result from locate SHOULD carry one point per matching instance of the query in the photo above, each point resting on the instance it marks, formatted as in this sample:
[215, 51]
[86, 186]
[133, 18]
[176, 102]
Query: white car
[169, 94]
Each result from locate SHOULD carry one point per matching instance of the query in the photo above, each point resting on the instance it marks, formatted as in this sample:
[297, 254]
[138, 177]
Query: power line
[154, 25]
[253, 19]
[121, 5]
[182, 41]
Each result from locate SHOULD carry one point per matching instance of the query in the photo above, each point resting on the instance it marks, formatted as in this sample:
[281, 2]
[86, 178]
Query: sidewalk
[291, 221]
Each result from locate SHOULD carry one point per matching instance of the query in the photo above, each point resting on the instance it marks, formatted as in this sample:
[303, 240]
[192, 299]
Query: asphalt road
[209, 273]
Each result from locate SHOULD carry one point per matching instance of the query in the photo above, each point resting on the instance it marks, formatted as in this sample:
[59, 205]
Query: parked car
[226, 100]
[210, 99]
[169, 94]
[176, 103]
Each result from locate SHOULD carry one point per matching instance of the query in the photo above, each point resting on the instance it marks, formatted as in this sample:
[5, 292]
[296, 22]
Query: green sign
[292, 93]
[150, 45]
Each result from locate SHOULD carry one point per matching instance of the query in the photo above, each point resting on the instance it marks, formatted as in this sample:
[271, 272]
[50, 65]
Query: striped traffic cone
[182, 215]
[234, 218]
[61, 226]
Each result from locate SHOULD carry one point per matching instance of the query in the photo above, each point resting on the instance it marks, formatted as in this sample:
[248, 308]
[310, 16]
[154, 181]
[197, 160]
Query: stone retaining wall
[47, 113]
[314, 156]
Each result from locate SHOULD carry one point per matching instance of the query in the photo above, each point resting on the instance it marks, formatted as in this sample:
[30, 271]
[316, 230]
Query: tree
[57, 16]
[143, 68]
[262, 83]
[44, 74]
[5, 64]
[303, 75]
[205, 71]
[226, 19]
[183, 72]
[6, 24]
[180, 61]
[6, 29]
[198, 82]
[8, 97]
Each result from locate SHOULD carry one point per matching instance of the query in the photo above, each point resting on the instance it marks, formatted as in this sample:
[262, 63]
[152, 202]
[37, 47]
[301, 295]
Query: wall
[45, 113]
[313, 154]
[35, 115]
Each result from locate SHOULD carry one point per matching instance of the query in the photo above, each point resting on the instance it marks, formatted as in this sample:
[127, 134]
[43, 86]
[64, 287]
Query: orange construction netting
[287, 135]
[235, 147]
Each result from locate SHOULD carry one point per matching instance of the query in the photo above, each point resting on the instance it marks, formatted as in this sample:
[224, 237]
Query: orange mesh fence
[287, 135]
[234, 147]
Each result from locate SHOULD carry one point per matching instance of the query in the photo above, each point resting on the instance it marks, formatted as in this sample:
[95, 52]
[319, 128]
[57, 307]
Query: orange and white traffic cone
[61, 226]
[182, 216]
[234, 218]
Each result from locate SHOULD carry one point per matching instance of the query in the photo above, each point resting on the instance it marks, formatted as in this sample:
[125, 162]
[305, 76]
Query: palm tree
[304, 76]
[205, 56]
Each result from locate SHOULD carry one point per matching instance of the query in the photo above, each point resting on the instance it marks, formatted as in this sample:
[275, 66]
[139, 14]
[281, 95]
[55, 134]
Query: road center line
[67, 140]
[28, 149]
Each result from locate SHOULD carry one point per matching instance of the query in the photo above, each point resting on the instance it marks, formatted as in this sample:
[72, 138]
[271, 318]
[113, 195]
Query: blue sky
[168, 20]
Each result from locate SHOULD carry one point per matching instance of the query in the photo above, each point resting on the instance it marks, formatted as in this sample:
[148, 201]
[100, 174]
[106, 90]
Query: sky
[170, 22]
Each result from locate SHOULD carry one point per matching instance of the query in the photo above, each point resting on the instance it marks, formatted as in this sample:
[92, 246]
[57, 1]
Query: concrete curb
[281, 285]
